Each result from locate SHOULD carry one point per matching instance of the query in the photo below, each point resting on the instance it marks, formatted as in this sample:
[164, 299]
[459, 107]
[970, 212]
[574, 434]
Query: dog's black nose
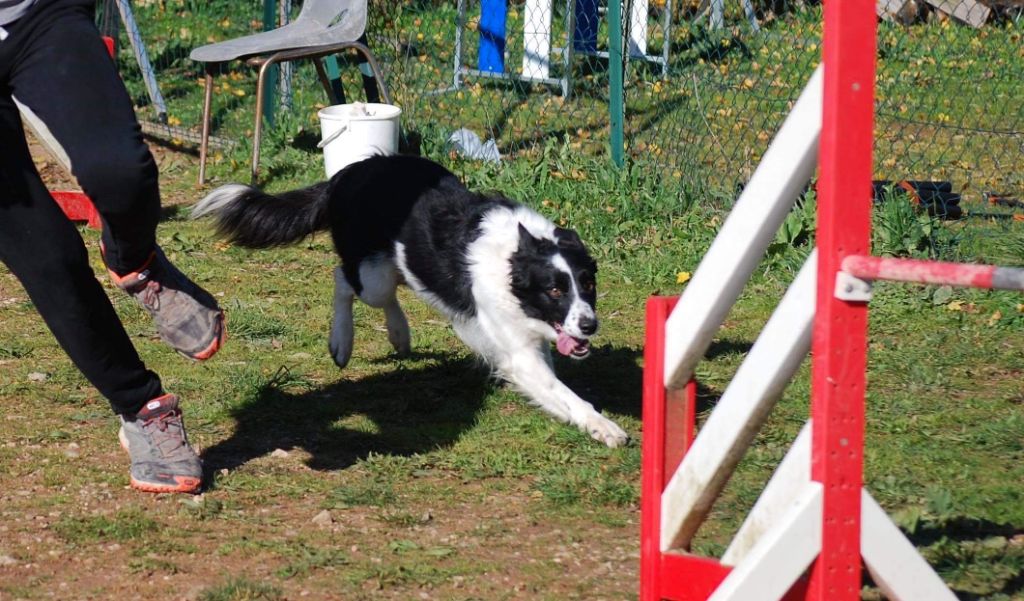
[588, 325]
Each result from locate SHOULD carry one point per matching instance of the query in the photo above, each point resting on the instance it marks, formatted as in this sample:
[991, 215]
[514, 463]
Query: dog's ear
[526, 240]
[567, 239]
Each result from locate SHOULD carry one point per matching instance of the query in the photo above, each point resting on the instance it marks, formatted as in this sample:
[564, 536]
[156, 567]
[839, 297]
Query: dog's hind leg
[380, 280]
[342, 332]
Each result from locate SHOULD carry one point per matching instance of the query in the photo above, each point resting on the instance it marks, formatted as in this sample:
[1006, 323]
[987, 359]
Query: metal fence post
[270, 102]
[615, 93]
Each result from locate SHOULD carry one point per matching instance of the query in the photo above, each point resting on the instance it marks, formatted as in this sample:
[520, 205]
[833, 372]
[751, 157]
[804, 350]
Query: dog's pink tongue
[566, 344]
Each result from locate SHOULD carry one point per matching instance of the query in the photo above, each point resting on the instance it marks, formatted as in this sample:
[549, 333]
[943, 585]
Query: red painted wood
[77, 207]
[924, 272]
[840, 327]
[668, 431]
[652, 469]
[689, 577]
[680, 415]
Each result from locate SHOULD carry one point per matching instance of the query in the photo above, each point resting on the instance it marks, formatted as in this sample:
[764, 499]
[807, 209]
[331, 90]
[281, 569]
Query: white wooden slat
[781, 556]
[638, 28]
[725, 437]
[717, 19]
[775, 499]
[895, 565]
[780, 177]
[44, 135]
[537, 39]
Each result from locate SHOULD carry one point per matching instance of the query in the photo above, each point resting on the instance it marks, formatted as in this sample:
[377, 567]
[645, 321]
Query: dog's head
[555, 281]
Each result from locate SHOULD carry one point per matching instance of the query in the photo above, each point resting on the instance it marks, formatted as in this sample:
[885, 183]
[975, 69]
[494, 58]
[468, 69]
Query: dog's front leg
[532, 375]
[521, 363]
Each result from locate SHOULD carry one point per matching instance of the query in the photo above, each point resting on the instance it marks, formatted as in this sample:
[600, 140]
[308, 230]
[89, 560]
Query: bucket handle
[332, 137]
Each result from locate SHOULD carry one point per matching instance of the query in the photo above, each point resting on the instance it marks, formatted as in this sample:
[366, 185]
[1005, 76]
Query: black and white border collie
[510, 281]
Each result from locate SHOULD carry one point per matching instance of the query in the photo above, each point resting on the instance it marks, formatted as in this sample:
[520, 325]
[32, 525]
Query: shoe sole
[215, 344]
[184, 484]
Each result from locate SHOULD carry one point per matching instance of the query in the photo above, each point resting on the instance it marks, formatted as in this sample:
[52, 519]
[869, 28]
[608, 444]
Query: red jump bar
[934, 272]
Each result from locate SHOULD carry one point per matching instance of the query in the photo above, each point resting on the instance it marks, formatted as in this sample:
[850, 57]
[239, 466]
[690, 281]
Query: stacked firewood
[972, 12]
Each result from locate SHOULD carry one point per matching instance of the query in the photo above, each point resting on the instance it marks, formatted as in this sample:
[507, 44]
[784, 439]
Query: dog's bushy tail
[249, 217]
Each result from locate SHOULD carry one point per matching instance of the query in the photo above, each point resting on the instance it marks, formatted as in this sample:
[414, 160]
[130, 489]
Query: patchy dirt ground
[170, 162]
[275, 525]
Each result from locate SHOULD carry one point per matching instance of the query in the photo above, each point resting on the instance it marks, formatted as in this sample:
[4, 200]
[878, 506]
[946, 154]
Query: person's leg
[64, 75]
[44, 250]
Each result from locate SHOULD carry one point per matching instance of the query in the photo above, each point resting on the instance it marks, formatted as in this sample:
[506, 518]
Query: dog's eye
[555, 293]
[588, 286]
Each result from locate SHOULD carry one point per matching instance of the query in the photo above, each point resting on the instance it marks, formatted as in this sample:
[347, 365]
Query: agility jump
[814, 525]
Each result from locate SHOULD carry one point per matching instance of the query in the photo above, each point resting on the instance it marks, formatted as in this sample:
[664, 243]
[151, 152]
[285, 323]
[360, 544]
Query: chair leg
[325, 81]
[257, 130]
[372, 60]
[204, 145]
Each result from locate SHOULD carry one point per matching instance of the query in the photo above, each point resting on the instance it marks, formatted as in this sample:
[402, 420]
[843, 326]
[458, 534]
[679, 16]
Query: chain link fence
[705, 83]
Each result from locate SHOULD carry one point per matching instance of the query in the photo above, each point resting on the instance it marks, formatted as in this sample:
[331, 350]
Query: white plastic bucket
[352, 132]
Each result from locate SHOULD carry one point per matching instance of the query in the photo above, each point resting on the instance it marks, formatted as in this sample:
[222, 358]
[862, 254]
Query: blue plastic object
[584, 36]
[492, 35]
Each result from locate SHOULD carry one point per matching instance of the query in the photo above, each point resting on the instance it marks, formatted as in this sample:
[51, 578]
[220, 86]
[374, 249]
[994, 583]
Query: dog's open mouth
[570, 346]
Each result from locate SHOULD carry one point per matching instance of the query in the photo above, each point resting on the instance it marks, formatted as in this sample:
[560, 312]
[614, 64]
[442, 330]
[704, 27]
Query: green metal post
[334, 76]
[615, 93]
[270, 102]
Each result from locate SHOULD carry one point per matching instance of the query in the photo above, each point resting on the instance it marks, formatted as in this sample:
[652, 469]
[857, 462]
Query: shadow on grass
[961, 528]
[408, 410]
[955, 532]
[960, 538]
[411, 411]
[612, 379]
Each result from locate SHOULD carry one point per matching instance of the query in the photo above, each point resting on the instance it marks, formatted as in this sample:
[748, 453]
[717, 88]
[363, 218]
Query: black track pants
[53, 61]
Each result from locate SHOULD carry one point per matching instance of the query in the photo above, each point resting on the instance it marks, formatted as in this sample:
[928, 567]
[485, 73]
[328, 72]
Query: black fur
[525, 288]
[405, 198]
[259, 220]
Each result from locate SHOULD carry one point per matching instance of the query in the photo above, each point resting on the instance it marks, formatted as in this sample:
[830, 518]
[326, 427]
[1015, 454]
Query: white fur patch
[218, 199]
[579, 309]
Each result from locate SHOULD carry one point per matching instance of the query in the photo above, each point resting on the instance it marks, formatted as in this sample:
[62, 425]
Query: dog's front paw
[606, 431]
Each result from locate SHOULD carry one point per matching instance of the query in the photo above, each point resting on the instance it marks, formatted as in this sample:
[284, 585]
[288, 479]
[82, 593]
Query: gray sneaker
[186, 316]
[162, 459]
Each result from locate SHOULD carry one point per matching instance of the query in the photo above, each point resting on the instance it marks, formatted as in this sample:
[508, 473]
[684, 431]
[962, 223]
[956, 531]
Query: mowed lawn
[425, 478]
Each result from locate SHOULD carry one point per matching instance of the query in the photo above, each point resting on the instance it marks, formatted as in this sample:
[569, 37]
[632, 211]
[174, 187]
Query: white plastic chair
[323, 27]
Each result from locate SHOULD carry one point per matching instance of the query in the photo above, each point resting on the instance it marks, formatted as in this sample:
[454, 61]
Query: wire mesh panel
[511, 72]
[950, 101]
[732, 78]
[706, 82]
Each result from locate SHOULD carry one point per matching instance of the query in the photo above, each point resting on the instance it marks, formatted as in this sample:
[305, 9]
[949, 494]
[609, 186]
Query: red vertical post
[652, 469]
[668, 431]
[840, 327]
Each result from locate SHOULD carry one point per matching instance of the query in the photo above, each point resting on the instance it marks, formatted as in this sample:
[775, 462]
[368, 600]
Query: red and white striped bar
[934, 272]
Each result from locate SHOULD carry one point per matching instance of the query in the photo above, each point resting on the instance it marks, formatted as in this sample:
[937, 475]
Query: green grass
[241, 589]
[946, 94]
[440, 481]
[437, 478]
